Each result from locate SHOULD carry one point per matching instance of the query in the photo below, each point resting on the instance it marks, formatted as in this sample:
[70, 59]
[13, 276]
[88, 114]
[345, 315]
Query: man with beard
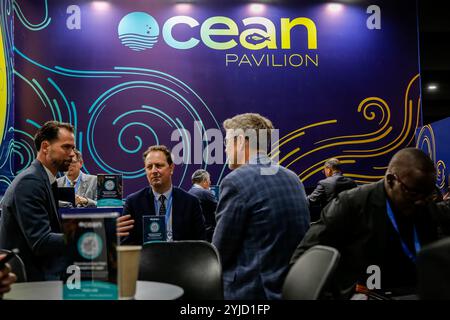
[29, 218]
[381, 226]
[182, 211]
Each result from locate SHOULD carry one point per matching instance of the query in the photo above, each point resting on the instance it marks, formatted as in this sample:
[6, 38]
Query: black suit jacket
[329, 188]
[30, 223]
[187, 218]
[209, 206]
[356, 224]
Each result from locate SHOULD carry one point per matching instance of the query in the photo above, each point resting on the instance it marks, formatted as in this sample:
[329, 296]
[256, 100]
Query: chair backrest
[310, 273]
[433, 265]
[17, 266]
[193, 265]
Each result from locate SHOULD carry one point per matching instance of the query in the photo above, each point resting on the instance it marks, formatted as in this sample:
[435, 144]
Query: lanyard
[77, 184]
[404, 246]
[168, 208]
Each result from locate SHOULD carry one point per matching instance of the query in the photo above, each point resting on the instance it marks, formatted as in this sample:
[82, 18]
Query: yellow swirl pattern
[426, 141]
[364, 106]
[3, 87]
[441, 173]
[372, 109]
[426, 138]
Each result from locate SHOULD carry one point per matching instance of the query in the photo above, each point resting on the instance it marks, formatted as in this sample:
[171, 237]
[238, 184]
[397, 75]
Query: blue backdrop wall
[434, 139]
[338, 80]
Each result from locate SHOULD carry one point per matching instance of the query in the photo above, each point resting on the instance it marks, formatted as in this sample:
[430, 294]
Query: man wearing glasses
[85, 185]
[383, 224]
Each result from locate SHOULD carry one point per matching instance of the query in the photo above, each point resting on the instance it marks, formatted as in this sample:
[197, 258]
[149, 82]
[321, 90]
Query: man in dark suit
[381, 226]
[30, 220]
[185, 219]
[330, 187]
[201, 182]
[262, 213]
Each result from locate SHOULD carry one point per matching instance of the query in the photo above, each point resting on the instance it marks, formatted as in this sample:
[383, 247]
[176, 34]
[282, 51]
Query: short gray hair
[251, 121]
[199, 176]
[334, 164]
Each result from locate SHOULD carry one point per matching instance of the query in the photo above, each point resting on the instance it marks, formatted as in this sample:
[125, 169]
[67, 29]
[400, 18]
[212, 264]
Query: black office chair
[310, 273]
[433, 265]
[17, 266]
[193, 265]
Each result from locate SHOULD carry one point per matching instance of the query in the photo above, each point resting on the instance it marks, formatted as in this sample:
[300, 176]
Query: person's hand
[124, 225]
[7, 278]
[447, 196]
[81, 201]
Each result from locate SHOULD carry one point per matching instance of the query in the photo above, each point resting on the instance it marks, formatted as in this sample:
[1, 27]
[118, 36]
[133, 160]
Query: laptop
[67, 195]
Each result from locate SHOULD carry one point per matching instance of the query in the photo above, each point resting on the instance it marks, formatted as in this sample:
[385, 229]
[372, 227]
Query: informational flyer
[91, 237]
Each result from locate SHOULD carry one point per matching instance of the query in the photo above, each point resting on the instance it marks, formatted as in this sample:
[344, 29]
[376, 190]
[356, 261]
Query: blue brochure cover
[91, 239]
[154, 229]
[215, 191]
[109, 190]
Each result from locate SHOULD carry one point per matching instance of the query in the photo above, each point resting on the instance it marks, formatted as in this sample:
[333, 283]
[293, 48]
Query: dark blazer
[329, 188]
[261, 218]
[209, 205]
[187, 218]
[30, 223]
[356, 224]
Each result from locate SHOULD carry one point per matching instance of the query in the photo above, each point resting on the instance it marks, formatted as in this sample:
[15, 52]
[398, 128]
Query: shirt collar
[259, 157]
[78, 178]
[197, 186]
[167, 194]
[50, 175]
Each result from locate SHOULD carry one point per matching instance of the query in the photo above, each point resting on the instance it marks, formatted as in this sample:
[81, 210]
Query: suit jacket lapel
[175, 201]
[83, 184]
[53, 210]
[378, 206]
[151, 202]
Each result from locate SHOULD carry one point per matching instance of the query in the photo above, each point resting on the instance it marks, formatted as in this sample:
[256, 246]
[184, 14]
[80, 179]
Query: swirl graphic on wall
[170, 107]
[138, 31]
[289, 150]
[6, 96]
[426, 141]
[158, 105]
[32, 26]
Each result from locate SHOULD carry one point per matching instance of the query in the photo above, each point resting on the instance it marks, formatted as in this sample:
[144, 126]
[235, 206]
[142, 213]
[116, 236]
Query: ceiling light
[335, 7]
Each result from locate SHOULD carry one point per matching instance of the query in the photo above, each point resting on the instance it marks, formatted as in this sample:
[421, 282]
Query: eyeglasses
[413, 194]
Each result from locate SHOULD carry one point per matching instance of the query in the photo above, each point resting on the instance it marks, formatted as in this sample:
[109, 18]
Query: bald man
[382, 224]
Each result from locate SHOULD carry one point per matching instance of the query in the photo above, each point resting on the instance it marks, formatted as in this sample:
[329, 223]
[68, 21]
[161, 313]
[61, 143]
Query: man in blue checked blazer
[262, 213]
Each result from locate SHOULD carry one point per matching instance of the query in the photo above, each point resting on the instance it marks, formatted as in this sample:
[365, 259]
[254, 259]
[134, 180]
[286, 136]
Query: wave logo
[138, 31]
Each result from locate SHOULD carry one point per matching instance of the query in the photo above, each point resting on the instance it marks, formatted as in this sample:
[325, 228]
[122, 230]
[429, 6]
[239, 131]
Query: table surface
[52, 290]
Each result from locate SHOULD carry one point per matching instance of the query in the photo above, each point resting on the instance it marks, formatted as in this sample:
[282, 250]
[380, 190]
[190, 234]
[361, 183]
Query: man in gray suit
[262, 213]
[30, 219]
[85, 184]
[330, 187]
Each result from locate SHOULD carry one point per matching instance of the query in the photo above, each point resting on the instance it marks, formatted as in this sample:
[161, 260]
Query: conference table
[53, 290]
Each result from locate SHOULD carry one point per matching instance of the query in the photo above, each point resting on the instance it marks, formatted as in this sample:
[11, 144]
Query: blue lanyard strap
[169, 206]
[405, 248]
[77, 183]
